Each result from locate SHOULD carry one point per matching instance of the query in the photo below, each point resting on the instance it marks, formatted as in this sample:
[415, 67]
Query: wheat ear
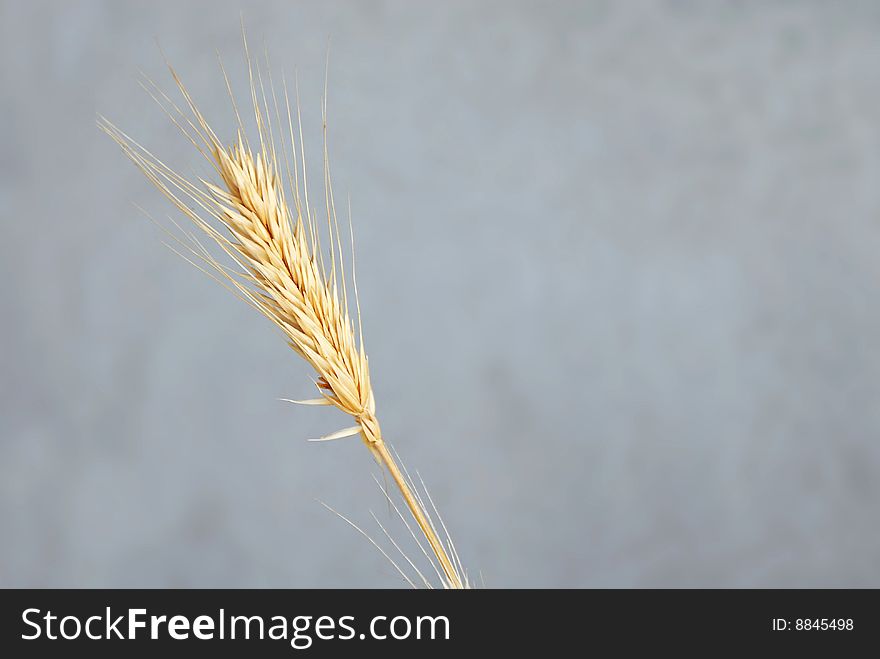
[279, 267]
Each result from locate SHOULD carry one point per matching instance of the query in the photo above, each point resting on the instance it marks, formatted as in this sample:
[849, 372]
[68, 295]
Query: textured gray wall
[620, 268]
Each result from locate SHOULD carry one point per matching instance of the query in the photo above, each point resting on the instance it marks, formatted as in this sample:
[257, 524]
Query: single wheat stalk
[279, 266]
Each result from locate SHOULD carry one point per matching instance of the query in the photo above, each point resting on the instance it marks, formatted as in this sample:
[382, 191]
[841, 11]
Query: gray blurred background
[620, 272]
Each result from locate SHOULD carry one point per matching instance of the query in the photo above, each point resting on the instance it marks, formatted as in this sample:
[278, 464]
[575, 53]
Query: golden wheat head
[277, 263]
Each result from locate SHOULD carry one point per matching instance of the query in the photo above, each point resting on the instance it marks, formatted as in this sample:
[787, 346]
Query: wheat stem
[380, 450]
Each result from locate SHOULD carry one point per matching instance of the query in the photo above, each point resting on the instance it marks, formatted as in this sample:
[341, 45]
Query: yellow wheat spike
[277, 263]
